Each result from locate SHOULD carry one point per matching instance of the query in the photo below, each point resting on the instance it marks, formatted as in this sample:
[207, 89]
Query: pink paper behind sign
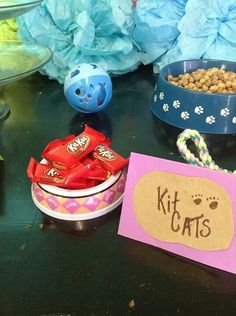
[129, 227]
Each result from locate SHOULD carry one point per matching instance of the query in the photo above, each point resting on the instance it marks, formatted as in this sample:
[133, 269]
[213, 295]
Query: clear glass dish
[13, 8]
[20, 59]
[17, 61]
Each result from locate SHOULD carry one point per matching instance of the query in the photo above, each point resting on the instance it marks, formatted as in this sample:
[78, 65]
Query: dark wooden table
[60, 268]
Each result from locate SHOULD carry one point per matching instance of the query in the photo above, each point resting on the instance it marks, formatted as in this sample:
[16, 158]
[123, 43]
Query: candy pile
[212, 80]
[77, 162]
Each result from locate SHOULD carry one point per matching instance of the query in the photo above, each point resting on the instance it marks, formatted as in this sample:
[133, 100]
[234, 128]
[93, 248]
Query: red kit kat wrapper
[66, 178]
[69, 153]
[98, 172]
[109, 159]
[57, 142]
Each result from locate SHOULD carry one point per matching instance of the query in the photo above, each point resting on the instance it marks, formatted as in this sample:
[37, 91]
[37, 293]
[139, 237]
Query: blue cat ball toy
[88, 88]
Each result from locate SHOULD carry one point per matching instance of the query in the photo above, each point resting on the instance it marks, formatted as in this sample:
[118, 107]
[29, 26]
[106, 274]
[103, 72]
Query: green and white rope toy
[205, 159]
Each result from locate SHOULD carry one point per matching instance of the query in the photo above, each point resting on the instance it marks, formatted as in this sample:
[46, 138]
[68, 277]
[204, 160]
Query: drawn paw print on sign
[210, 119]
[185, 115]
[225, 112]
[198, 110]
[213, 202]
[176, 104]
[197, 199]
[165, 107]
[161, 95]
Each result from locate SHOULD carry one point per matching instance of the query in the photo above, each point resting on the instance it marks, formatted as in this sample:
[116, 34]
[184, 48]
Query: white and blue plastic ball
[88, 88]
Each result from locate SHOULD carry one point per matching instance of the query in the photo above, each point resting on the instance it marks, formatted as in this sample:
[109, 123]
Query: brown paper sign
[189, 210]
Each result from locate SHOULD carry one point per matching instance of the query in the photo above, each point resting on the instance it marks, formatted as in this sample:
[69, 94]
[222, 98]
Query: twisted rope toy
[205, 158]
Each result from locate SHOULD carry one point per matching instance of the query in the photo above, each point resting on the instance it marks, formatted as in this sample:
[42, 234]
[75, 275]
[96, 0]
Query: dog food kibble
[212, 80]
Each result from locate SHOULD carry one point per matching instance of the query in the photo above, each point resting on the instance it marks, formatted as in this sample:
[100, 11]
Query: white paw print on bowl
[185, 115]
[165, 107]
[225, 112]
[198, 110]
[155, 98]
[161, 95]
[176, 104]
[234, 120]
[210, 119]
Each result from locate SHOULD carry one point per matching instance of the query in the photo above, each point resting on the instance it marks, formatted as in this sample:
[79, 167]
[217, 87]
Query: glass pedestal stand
[18, 59]
[4, 110]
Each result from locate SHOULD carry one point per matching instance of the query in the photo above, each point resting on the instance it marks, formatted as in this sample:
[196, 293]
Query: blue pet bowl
[210, 113]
